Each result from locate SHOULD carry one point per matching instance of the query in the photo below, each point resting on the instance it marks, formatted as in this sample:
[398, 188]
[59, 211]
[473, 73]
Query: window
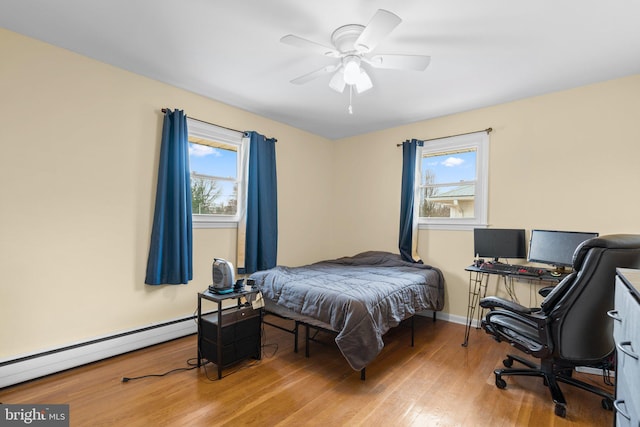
[215, 160]
[453, 178]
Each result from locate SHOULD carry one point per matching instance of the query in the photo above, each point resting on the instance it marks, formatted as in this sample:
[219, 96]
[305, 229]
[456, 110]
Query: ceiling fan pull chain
[350, 99]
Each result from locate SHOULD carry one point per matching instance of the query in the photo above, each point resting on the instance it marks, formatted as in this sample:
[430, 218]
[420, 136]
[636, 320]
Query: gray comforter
[360, 297]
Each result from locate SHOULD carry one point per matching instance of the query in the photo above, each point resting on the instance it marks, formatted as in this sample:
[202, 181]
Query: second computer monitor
[556, 247]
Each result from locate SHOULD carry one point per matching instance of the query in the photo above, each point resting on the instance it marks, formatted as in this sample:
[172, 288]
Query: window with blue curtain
[261, 244]
[171, 246]
[453, 189]
[407, 242]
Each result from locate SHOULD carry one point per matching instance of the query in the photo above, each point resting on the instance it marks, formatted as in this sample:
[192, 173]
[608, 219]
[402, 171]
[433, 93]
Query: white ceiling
[482, 52]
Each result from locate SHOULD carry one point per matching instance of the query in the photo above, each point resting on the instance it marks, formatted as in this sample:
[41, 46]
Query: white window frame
[479, 141]
[234, 138]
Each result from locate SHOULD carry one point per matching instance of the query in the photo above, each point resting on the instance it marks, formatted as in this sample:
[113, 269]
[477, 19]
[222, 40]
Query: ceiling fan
[353, 46]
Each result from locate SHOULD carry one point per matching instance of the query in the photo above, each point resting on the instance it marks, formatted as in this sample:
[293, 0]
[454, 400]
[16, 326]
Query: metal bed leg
[306, 346]
[434, 316]
[363, 374]
[293, 331]
[413, 329]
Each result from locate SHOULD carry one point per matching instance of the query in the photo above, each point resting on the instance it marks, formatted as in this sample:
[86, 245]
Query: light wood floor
[435, 383]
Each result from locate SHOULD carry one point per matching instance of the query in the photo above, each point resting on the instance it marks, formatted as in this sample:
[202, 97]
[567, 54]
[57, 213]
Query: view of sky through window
[218, 167]
[211, 161]
[449, 168]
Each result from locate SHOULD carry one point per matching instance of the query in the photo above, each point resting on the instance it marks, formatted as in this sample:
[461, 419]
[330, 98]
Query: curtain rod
[164, 110]
[487, 130]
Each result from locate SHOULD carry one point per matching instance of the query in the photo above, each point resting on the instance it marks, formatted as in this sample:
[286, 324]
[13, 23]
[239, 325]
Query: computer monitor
[499, 243]
[555, 247]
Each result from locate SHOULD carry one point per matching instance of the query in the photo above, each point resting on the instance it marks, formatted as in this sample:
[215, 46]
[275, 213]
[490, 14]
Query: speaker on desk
[240, 335]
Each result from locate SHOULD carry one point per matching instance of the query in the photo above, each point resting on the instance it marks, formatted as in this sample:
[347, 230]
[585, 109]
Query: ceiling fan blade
[314, 75]
[400, 62]
[382, 23]
[309, 45]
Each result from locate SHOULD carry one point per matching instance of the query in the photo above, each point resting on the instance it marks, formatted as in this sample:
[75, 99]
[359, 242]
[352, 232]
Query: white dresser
[626, 333]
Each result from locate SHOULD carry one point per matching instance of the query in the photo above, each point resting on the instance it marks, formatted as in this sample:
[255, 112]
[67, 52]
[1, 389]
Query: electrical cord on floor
[265, 346]
[192, 365]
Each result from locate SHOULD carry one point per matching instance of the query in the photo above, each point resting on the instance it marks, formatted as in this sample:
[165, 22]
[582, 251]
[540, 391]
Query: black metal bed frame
[307, 327]
[293, 331]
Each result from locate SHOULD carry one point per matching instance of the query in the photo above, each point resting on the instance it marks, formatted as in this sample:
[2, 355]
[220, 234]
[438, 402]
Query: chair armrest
[496, 302]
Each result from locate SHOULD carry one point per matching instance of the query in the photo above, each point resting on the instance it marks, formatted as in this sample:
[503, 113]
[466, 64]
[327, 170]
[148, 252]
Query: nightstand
[230, 334]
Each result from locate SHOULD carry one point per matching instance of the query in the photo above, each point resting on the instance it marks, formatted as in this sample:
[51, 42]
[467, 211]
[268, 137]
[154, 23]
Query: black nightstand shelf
[231, 334]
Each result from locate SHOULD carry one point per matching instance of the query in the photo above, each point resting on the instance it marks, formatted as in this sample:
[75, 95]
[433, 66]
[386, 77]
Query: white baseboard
[455, 319]
[594, 371]
[28, 367]
[446, 317]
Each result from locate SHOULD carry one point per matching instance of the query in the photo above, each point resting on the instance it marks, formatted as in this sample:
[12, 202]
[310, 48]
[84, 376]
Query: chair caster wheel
[508, 362]
[500, 383]
[560, 410]
[607, 404]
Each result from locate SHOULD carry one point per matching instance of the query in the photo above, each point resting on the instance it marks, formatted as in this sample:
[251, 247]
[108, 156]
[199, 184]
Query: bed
[360, 298]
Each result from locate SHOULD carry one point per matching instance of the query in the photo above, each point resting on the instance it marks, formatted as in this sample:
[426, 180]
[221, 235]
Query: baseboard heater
[31, 366]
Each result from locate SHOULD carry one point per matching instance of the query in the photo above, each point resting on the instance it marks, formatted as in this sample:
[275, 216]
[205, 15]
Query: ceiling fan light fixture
[337, 82]
[351, 69]
[363, 83]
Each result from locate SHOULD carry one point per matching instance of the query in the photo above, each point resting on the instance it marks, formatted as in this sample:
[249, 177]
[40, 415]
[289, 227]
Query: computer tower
[240, 335]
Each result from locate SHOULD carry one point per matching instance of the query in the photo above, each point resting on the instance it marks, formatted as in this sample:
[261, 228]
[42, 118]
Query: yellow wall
[567, 160]
[80, 147]
[80, 144]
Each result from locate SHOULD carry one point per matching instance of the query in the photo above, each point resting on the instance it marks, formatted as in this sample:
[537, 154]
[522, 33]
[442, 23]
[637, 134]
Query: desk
[478, 281]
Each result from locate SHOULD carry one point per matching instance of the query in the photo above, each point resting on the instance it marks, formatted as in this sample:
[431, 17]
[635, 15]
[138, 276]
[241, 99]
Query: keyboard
[522, 270]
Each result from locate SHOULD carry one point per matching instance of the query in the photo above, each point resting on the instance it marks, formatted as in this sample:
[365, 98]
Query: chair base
[551, 375]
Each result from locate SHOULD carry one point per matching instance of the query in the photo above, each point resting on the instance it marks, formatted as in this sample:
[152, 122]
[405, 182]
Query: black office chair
[571, 327]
